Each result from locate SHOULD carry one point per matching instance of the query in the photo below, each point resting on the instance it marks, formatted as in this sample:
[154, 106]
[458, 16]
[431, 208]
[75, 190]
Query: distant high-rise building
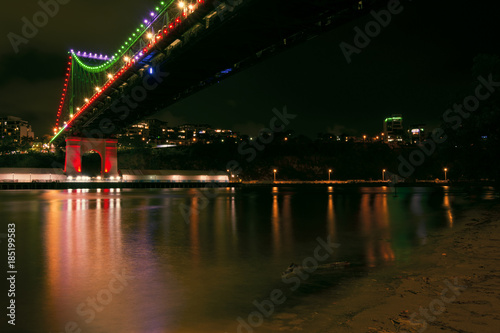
[393, 129]
[15, 128]
[416, 133]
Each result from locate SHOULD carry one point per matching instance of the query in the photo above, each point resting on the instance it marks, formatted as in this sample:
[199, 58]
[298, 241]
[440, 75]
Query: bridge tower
[106, 148]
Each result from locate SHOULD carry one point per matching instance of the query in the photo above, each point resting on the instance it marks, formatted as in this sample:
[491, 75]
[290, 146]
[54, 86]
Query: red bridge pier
[106, 148]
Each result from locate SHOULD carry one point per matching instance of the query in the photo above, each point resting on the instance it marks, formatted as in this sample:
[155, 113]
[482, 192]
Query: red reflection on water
[375, 225]
[84, 252]
[194, 232]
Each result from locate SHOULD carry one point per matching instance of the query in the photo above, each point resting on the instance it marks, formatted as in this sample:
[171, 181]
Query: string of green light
[125, 47]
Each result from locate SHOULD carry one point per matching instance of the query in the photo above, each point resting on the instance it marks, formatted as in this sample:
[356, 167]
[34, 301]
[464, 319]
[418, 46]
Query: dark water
[184, 260]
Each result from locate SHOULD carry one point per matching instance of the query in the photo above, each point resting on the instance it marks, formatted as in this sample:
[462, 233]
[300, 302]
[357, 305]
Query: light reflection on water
[200, 260]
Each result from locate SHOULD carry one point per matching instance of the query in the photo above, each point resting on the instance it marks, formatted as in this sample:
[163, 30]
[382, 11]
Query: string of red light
[129, 63]
[65, 89]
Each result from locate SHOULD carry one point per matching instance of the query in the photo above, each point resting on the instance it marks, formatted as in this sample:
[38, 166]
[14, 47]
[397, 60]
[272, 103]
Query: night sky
[417, 66]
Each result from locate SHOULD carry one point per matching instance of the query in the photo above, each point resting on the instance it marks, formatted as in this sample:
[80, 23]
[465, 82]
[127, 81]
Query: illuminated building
[15, 128]
[148, 131]
[156, 133]
[416, 133]
[393, 129]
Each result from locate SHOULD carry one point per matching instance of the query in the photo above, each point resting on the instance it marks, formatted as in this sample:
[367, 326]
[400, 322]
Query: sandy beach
[451, 284]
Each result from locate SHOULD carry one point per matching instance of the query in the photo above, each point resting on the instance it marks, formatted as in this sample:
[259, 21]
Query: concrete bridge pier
[106, 148]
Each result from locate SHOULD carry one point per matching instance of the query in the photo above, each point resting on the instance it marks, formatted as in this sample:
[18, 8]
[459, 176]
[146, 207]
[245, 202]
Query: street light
[383, 175]
[445, 170]
[329, 173]
[274, 171]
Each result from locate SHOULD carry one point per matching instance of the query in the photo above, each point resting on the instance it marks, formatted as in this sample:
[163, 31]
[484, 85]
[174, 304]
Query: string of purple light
[91, 55]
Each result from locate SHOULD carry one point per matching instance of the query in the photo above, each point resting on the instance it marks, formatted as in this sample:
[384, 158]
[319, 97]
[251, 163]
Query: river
[195, 260]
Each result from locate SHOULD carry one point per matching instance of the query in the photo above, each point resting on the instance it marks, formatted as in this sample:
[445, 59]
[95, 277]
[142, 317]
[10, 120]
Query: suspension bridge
[179, 48]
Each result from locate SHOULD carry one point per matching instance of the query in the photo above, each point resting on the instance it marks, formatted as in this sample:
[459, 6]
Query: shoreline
[61, 185]
[451, 284]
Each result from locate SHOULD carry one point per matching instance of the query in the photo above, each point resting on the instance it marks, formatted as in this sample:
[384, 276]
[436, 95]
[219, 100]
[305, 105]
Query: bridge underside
[198, 56]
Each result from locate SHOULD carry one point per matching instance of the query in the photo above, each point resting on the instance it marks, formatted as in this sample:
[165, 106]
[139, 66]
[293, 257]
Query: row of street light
[383, 174]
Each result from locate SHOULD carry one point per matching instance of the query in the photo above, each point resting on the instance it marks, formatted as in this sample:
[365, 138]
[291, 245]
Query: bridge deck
[210, 46]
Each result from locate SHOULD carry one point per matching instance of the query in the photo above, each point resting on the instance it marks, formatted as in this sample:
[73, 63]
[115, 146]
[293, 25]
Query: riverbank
[451, 284]
[60, 185]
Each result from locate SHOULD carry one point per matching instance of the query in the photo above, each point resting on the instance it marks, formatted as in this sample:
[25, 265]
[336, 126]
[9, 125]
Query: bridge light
[110, 76]
[182, 5]
[127, 59]
[97, 89]
[86, 100]
[149, 35]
